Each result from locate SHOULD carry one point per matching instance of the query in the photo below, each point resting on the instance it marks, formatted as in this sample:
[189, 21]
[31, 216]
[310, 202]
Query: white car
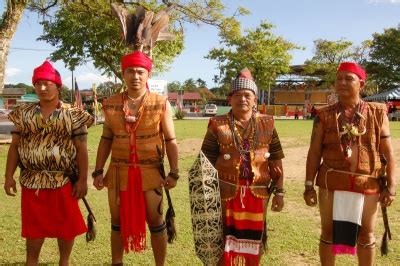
[4, 111]
[210, 110]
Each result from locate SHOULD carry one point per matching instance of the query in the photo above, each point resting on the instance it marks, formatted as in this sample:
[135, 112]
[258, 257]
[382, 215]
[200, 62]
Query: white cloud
[9, 73]
[12, 71]
[385, 1]
[86, 80]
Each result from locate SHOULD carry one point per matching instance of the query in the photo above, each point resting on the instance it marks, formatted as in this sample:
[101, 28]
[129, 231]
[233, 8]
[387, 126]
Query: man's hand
[98, 182]
[277, 203]
[169, 182]
[310, 196]
[80, 189]
[10, 184]
[386, 198]
[275, 169]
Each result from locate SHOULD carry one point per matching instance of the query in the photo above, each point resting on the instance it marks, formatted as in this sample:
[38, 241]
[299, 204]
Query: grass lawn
[293, 233]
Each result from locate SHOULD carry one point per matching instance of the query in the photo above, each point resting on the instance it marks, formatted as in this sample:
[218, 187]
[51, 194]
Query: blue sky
[298, 21]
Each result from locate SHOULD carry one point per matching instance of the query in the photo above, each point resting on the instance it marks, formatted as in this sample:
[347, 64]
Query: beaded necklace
[349, 127]
[131, 121]
[238, 139]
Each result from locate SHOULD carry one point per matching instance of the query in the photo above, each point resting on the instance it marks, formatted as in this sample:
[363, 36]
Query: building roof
[14, 91]
[390, 95]
[186, 96]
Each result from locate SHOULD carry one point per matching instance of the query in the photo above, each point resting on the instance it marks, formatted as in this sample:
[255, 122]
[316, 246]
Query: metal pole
[269, 93]
[72, 88]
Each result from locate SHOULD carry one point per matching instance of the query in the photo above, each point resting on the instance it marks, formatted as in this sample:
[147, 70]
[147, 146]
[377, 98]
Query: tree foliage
[383, 65]
[265, 54]
[327, 57]
[81, 35]
[86, 31]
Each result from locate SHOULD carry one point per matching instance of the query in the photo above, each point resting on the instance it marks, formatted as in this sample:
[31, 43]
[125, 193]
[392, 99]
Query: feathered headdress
[143, 28]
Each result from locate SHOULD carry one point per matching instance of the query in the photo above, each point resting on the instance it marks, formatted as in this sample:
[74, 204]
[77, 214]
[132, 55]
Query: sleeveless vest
[148, 136]
[368, 152]
[228, 160]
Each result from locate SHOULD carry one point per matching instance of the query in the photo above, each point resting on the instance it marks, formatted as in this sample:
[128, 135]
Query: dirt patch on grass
[294, 164]
[189, 146]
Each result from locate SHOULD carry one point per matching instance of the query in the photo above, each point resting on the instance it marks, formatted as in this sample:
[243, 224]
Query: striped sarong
[244, 226]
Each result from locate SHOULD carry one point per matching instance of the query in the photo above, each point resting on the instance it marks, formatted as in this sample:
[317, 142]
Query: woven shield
[205, 204]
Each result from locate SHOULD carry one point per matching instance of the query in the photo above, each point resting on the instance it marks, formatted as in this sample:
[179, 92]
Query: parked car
[210, 110]
[5, 111]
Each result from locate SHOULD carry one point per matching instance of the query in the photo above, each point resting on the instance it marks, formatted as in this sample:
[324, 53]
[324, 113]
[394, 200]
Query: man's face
[47, 90]
[136, 78]
[243, 100]
[348, 84]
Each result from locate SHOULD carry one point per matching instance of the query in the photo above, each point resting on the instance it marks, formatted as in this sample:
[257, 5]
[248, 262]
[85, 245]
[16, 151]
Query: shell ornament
[227, 156]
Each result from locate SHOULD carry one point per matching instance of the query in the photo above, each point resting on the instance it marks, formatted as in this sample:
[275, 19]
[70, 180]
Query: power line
[31, 49]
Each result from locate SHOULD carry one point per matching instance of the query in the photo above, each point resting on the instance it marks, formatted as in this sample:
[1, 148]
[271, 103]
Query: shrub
[180, 114]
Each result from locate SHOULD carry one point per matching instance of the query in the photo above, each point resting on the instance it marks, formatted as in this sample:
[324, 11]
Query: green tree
[383, 65]
[9, 21]
[107, 88]
[174, 86]
[328, 55]
[201, 83]
[265, 54]
[86, 31]
[8, 25]
[189, 85]
[66, 95]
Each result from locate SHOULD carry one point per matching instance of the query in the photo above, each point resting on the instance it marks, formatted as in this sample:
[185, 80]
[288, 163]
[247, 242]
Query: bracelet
[309, 183]
[279, 192]
[97, 172]
[174, 175]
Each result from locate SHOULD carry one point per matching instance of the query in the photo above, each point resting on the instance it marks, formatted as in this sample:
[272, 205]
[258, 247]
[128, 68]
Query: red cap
[136, 59]
[353, 68]
[46, 72]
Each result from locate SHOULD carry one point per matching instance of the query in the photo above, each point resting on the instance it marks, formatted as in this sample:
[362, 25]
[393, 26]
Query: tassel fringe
[170, 221]
[91, 233]
[385, 244]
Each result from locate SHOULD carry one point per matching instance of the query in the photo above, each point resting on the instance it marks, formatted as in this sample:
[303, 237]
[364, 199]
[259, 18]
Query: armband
[78, 134]
[97, 172]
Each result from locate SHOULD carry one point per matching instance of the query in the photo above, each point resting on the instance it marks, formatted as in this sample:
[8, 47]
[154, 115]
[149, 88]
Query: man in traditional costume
[49, 145]
[244, 147]
[349, 136]
[136, 122]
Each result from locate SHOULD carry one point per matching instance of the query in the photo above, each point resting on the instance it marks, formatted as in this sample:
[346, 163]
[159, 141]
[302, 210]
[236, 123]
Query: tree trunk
[8, 26]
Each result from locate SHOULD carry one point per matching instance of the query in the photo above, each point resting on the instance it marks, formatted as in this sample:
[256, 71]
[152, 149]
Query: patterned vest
[148, 136]
[228, 166]
[368, 152]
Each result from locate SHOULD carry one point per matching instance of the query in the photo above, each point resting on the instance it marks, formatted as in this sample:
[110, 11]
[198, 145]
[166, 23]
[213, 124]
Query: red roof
[186, 96]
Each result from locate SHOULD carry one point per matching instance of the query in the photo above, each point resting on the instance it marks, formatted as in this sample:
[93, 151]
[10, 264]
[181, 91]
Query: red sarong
[244, 228]
[51, 213]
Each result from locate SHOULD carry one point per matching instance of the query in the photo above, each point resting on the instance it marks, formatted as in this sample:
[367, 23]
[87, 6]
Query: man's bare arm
[79, 139]
[11, 165]
[385, 148]
[171, 146]
[315, 150]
